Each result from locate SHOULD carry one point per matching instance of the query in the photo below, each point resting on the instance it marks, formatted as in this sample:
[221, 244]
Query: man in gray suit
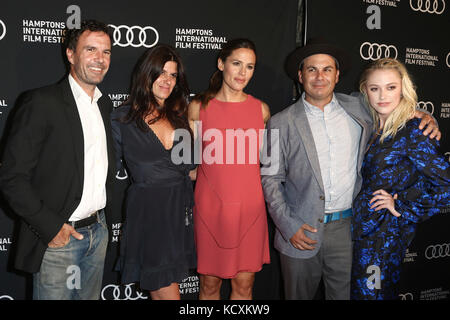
[317, 159]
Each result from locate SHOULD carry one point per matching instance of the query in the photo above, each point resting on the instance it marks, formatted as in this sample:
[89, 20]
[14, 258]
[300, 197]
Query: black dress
[157, 245]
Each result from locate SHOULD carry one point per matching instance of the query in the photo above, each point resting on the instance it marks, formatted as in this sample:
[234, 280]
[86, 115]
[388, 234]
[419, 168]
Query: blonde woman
[405, 181]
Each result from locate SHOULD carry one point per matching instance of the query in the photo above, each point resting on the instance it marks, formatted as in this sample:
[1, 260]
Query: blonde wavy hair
[407, 106]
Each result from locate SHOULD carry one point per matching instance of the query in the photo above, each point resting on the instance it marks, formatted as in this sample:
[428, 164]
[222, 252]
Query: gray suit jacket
[292, 184]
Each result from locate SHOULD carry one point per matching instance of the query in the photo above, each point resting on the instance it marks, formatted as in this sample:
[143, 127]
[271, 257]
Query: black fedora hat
[316, 46]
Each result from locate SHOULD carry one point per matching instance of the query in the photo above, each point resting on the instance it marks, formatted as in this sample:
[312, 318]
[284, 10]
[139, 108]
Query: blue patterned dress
[410, 165]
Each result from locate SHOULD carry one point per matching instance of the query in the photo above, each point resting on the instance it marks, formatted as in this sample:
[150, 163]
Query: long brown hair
[215, 83]
[142, 100]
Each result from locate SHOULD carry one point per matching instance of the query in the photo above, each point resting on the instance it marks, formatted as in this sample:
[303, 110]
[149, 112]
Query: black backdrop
[31, 56]
[416, 33]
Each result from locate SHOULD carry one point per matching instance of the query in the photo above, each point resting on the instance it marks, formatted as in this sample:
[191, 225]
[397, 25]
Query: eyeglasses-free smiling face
[163, 86]
[384, 91]
[90, 60]
[238, 68]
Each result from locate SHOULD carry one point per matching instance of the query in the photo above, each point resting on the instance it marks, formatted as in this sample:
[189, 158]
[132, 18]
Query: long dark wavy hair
[142, 100]
[215, 82]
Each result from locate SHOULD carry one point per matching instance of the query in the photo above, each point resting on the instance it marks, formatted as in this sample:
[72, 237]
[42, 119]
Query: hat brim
[298, 55]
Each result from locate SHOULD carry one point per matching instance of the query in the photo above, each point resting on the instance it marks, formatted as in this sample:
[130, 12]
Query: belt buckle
[96, 217]
[96, 214]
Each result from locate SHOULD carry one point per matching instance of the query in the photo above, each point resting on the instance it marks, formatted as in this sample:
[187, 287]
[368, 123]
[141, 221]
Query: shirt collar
[79, 93]
[315, 110]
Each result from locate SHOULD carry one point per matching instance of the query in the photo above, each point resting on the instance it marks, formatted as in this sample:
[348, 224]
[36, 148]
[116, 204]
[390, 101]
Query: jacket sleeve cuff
[405, 212]
[45, 224]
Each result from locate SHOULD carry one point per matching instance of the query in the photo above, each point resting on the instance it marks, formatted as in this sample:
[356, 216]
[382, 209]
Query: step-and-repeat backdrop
[416, 33]
[31, 56]
[413, 31]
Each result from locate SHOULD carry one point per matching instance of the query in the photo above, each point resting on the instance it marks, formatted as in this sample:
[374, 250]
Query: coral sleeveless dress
[230, 219]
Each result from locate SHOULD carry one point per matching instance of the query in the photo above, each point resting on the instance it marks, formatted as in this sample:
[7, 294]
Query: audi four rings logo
[426, 105]
[406, 296]
[448, 155]
[122, 292]
[437, 251]
[5, 297]
[428, 6]
[375, 51]
[134, 36]
[447, 61]
[2, 29]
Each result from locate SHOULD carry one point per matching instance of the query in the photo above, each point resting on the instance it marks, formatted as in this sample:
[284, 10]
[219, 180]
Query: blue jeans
[75, 271]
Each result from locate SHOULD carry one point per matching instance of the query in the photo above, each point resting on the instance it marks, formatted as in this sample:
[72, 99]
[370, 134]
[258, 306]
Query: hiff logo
[428, 6]
[2, 29]
[375, 51]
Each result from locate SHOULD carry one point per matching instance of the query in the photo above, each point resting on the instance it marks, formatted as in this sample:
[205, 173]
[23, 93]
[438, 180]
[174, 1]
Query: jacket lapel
[300, 121]
[74, 122]
[105, 111]
[362, 117]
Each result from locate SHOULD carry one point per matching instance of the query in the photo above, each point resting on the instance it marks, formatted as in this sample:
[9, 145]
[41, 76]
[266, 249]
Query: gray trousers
[333, 263]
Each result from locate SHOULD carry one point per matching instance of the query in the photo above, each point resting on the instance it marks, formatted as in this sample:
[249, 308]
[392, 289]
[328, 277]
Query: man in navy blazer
[57, 173]
[313, 174]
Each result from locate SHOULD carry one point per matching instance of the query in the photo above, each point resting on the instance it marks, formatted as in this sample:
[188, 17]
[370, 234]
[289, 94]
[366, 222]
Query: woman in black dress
[157, 247]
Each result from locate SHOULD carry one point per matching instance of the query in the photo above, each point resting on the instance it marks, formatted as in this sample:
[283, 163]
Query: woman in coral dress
[230, 220]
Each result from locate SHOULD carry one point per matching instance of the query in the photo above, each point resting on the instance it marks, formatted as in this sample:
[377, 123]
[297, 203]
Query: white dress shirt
[95, 153]
[336, 136]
